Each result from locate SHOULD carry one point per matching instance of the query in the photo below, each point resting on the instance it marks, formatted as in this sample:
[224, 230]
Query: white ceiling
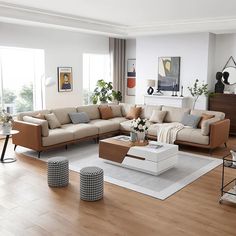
[126, 17]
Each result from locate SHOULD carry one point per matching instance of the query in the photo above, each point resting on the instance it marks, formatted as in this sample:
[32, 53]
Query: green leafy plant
[198, 90]
[117, 95]
[104, 92]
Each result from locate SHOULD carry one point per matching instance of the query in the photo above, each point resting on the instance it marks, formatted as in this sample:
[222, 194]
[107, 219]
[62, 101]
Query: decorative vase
[133, 136]
[6, 128]
[140, 136]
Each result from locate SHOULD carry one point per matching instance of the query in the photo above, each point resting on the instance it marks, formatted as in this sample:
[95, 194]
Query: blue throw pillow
[79, 117]
[190, 120]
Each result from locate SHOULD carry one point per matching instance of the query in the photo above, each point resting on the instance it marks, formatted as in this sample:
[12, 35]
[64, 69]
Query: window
[21, 72]
[95, 67]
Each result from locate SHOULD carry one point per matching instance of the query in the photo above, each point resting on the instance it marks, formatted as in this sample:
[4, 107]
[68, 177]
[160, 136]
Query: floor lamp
[46, 82]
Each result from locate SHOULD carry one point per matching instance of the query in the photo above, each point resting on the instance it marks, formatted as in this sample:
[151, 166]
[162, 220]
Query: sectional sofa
[35, 133]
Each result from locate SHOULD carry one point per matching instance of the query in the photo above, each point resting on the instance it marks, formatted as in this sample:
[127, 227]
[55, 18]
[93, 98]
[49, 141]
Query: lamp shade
[151, 82]
[49, 81]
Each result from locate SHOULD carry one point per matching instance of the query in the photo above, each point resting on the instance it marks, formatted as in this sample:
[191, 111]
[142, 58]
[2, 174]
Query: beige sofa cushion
[116, 110]
[157, 116]
[118, 119]
[91, 110]
[105, 126]
[43, 123]
[57, 136]
[31, 113]
[193, 136]
[205, 129]
[148, 109]
[81, 130]
[53, 122]
[126, 125]
[174, 114]
[125, 108]
[62, 114]
[217, 114]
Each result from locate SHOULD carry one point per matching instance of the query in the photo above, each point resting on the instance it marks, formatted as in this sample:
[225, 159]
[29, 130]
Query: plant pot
[140, 136]
[6, 128]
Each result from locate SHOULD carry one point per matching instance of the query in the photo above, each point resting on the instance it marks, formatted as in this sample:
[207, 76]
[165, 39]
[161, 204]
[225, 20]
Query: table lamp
[150, 84]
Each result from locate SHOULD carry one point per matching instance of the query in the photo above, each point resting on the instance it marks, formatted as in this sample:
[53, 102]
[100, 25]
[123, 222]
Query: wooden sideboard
[227, 104]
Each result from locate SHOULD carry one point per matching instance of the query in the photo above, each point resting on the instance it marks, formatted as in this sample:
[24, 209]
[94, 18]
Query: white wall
[193, 50]
[62, 48]
[130, 54]
[225, 47]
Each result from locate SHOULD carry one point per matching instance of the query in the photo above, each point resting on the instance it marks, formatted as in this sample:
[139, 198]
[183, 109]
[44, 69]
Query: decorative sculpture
[219, 86]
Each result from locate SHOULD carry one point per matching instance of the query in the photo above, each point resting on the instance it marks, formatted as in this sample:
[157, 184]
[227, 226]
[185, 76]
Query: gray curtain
[117, 56]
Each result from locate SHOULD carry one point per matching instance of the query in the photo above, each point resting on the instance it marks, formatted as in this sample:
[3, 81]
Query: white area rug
[189, 168]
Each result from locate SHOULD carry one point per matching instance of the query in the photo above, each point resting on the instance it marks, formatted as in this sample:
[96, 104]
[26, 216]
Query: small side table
[7, 135]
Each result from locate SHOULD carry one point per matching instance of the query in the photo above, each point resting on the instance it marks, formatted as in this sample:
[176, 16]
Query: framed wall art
[65, 80]
[131, 77]
[169, 73]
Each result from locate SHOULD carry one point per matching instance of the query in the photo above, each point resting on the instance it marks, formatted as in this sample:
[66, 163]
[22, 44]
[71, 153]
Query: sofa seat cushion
[152, 129]
[118, 119]
[186, 134]
[193, 136]
[175, 114]
[57, 136]
[91, 110]
[62, 114]
[81, 130]
[105, 126]
[126, 126]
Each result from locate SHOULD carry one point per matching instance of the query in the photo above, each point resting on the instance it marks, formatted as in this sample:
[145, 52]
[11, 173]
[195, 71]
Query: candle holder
[181, 91]
[176, 90]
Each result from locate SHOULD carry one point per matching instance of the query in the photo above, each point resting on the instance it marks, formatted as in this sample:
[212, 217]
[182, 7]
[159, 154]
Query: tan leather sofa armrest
[219, 132]
[29, 136]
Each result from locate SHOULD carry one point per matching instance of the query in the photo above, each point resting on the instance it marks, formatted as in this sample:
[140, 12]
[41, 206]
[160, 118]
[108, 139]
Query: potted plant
[104, 92]
[5, 120]
[197, 90]
[140, 126]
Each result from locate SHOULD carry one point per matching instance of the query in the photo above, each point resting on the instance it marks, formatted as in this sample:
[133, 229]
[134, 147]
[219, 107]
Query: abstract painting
[168, 73]
[131, 77]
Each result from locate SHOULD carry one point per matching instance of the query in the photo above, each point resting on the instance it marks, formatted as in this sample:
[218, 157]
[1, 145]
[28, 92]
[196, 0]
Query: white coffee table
[149, 159]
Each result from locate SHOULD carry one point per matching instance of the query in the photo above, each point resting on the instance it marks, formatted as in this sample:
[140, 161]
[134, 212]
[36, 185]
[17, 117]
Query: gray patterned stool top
[58, 159]
[91, 183]
[58, 172]
[91, 170]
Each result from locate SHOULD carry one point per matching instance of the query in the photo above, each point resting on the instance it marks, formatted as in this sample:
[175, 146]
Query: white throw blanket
[167, 133]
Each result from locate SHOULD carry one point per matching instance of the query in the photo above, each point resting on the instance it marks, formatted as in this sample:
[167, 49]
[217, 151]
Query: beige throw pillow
[205, 129]
[52, 121]
[157, 116]
[134, 113]
[43, 123]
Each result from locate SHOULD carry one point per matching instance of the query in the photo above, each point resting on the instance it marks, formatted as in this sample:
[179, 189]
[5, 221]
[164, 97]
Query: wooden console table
[225, 103]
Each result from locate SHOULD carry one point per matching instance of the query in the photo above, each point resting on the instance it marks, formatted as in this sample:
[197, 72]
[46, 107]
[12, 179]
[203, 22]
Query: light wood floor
[29, 207]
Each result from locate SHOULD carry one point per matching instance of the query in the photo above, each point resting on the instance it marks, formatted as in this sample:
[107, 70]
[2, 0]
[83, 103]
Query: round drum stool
[58, 172]
[91, 183]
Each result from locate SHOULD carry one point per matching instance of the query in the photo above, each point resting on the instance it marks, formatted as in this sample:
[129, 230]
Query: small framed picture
[65, 80]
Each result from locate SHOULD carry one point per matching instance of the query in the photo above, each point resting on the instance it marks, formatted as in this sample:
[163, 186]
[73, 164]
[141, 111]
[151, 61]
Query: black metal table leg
[6, 160]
